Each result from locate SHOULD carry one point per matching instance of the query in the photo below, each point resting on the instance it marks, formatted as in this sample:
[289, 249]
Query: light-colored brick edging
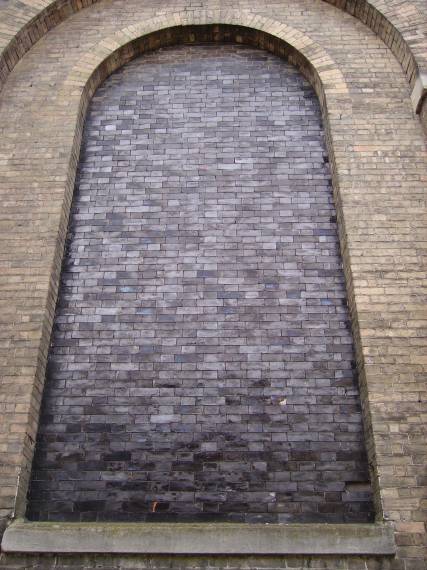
[403, 31]
[383, 279]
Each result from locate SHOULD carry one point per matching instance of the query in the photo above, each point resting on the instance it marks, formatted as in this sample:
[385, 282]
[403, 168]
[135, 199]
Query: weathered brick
[185, 108]
[380, 216]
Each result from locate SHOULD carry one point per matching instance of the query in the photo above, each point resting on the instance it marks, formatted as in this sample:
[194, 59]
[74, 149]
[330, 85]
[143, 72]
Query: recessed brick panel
[201, 365]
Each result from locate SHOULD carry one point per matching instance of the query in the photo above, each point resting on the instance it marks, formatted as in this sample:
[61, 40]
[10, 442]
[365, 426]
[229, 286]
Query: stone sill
[199, 539]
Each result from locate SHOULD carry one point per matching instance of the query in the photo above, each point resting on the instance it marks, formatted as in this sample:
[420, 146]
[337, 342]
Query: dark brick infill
[201, 365]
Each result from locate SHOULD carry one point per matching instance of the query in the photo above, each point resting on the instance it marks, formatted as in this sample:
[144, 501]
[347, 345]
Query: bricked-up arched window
[202, 364]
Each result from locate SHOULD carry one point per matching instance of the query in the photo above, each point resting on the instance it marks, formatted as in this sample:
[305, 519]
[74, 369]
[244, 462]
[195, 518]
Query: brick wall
[377, 151]
[202, 365]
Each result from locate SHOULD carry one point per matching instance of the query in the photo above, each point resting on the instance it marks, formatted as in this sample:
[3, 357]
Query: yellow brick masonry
[377, 148]
[401, 25]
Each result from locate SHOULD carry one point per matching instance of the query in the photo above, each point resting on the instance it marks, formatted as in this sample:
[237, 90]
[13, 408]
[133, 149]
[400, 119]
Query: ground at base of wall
[112, 562]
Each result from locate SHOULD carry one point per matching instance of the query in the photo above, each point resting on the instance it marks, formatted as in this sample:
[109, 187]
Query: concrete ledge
[144, 538]
[419, 92]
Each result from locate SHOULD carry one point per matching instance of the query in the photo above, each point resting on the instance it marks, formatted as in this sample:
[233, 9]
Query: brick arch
[25, 23]
[312, 60]
[242, 27]
[381, 192]
[191, 34]
[315, 64]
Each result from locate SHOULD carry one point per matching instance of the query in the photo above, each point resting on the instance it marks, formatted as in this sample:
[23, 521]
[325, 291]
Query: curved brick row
[403, 28]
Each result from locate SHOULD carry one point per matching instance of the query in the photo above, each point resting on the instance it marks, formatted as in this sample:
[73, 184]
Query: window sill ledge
[228, 538]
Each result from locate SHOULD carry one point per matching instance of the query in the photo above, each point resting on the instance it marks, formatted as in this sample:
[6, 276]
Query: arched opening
[202, 363]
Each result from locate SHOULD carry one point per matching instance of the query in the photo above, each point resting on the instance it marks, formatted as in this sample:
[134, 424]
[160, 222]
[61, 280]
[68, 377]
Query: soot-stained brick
[201, 359]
